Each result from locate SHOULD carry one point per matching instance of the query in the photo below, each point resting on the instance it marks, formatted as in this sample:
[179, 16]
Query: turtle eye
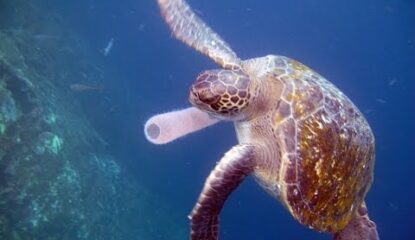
[208, 97]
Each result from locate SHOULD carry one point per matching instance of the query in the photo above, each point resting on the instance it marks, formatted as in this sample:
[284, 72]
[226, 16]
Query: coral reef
[57, 180]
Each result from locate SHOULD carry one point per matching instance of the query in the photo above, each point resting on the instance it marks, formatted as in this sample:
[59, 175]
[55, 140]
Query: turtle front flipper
[227, 175]
[190, 29]
[166, 127]
[359, 228]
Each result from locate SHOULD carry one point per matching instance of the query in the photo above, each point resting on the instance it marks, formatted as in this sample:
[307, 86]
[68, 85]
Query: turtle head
[225, 94]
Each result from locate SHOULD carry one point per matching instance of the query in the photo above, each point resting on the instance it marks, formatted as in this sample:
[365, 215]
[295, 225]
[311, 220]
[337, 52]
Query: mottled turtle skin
[305, 142]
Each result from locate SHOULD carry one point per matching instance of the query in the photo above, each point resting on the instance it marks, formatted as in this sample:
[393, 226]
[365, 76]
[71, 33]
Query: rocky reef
[57, 180]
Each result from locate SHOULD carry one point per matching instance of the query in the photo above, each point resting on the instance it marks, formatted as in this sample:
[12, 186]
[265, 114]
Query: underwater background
[78, 80]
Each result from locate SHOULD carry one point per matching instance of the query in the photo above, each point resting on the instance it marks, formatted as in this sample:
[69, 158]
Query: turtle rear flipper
[359, 228]
[227, 175]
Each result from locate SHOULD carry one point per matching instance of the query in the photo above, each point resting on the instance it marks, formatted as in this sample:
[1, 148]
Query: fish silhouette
[80, 87]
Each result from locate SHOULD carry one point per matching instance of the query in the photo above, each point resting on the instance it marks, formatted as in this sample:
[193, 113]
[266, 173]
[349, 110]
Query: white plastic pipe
[166, 127]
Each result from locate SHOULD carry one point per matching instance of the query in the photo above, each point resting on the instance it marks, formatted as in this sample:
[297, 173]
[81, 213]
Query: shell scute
[288, 132]
[307, 98]
[292, 169]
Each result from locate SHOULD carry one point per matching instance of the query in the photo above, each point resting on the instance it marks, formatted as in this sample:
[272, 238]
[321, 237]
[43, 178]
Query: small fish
[380, 100]
[393, 206]
[79, 87]
[43, 37]
[141, 27]
[108, 48]
[392, 82]
[368, 111]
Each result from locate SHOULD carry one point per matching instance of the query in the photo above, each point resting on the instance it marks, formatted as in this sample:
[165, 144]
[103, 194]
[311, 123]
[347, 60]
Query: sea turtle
[301, 138]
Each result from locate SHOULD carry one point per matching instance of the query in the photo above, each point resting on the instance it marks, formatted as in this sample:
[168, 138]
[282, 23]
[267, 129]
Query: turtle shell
[327, 150]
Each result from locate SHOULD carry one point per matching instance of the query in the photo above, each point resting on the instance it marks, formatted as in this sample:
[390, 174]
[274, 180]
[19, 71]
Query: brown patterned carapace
[328, 167]
[221, 92]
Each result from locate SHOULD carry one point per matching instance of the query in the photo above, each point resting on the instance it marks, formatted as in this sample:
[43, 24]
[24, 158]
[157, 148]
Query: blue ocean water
[366, 48]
